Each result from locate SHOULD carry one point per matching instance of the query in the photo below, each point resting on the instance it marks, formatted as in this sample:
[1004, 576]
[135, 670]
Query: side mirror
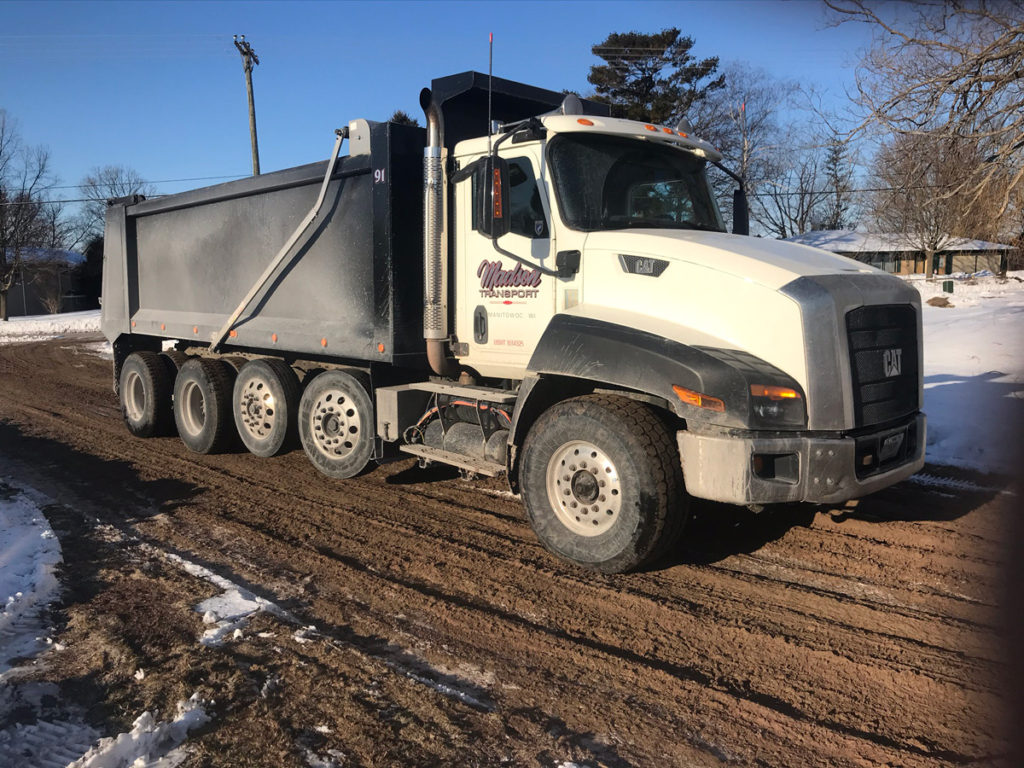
[494, 219]
[740, 213]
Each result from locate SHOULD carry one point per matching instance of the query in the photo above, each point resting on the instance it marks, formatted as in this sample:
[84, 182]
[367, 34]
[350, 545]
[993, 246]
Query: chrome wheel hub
[583, 488]
[193, 410]
[134, 396]
[257, 408]
[335, 424]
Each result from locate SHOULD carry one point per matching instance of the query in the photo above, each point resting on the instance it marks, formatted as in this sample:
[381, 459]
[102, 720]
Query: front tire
[602, 483]
[336, 424]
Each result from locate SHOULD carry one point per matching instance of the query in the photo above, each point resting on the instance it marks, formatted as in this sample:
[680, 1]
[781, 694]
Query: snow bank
[974, 372]
[148, 743]
[43, 327]
[29, 555]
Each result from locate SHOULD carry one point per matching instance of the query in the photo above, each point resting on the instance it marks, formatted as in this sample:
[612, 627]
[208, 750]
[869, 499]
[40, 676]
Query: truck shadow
[716, 531]
[938, 493]
[110, 489]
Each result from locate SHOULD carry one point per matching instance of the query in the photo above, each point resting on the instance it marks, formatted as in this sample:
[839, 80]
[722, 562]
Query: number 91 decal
[378, 175]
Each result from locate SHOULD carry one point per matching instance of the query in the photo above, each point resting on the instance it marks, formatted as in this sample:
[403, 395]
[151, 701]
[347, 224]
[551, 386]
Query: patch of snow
[45, 744]
[43, 327]
[974, 372]
[231, 609]
[29, 555]
[148, 744]
[227, 612]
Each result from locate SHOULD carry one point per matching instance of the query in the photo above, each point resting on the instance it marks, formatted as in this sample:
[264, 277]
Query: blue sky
[159, 86]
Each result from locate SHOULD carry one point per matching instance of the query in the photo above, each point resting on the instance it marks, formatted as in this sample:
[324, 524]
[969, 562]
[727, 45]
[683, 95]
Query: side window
[526, 209]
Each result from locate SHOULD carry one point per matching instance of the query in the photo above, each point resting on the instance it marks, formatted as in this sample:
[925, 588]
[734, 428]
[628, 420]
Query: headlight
[776, 405]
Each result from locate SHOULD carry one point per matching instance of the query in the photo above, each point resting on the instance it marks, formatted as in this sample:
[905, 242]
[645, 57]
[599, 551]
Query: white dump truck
[551, 296]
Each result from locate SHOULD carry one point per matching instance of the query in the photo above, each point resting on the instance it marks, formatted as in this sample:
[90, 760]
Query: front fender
[620, 356]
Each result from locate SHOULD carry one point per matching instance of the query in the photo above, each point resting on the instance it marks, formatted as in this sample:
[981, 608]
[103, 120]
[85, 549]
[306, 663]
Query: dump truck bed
[177, 267]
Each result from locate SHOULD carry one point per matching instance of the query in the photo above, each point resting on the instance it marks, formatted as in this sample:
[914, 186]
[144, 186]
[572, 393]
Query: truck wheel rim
[193, 410]
[584, 488]
[336, 424]
[134, 396]
[258, 408]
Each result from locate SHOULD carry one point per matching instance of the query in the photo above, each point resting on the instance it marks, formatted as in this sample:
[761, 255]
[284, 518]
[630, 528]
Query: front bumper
[750, 469]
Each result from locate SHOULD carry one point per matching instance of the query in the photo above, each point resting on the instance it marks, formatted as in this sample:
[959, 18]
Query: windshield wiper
[635, 223]
[698, 225]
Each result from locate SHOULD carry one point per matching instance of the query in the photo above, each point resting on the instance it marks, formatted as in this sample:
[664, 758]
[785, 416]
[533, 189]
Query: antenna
[490, 87]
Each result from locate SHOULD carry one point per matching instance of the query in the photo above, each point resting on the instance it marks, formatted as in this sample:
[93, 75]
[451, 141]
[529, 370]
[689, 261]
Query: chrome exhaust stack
[435, 256]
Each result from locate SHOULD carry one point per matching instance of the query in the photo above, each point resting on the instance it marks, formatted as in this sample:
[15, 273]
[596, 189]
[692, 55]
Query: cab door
[504, 305]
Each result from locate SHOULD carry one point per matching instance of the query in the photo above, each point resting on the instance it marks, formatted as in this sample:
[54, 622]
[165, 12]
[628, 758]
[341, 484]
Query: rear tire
[336, 424]
[145, 393]
[265, 404]
[602, 483]
[202, 405]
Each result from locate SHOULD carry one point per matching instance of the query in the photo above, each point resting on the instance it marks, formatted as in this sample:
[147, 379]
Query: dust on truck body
[558, 302]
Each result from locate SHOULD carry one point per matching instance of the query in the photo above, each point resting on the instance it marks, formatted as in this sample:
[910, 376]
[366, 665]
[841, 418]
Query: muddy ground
[868, 634]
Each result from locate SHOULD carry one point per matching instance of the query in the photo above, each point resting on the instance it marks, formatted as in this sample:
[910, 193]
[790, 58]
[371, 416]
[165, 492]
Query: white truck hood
[770, 263]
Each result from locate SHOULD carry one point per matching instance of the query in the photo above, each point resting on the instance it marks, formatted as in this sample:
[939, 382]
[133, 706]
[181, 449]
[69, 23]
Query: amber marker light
[698, 399]
[669, 131]
[273, 337]
[681, 134]
[233, 334]
[650, 128]
[195, 329]
[323, 342]
[584, 121]
[380, 348]
[774, 393]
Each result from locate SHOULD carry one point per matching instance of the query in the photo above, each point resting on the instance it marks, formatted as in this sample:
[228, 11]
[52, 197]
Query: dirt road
[445, 634]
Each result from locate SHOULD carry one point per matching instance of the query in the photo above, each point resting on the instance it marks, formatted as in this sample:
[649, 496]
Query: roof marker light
[584, 121]
[650, 128]
[681, 134]
[668, 131]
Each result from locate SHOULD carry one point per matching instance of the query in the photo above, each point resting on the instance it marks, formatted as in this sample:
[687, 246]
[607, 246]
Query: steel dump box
[177, 267]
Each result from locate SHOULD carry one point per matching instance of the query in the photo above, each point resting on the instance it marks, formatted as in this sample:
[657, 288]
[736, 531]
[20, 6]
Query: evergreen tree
[403, 118]
[652, 77]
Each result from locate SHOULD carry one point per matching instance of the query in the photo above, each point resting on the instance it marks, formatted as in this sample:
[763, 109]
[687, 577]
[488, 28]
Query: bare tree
[912, 173]
[950, 70]
[103, 184]
[24, 223]
[836, 205]
[743, 120]
[50, 276]
[790, 201]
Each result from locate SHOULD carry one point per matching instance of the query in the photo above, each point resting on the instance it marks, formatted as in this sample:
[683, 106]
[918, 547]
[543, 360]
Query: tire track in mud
[834, 642]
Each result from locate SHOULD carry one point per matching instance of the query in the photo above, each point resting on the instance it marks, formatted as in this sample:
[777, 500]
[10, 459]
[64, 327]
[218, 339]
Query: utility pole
[249, 58]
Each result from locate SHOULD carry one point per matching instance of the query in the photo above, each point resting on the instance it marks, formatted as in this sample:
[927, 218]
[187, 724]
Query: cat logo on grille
[892, 361]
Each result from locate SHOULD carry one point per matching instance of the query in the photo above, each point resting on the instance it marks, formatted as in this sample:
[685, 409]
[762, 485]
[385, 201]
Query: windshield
[610, 182]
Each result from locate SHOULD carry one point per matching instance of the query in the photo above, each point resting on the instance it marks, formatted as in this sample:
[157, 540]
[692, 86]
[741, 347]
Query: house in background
[49, 281]
[893, 253]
